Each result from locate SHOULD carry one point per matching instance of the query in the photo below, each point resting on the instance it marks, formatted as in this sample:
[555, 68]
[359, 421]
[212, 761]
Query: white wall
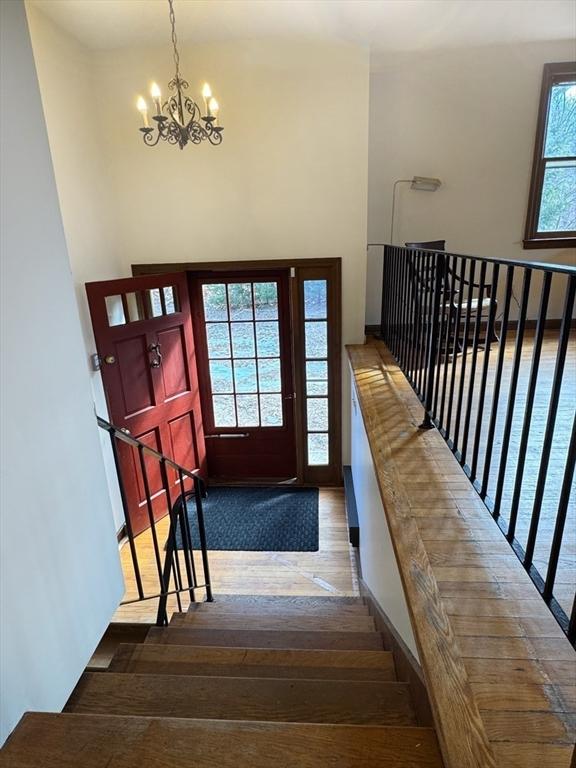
[469, 118]
[83, 181]
[60, 577]
[288, 181]
[377, 558]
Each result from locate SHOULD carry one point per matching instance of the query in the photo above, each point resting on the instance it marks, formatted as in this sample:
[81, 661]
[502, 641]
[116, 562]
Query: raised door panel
[134, 372]
[175, 376]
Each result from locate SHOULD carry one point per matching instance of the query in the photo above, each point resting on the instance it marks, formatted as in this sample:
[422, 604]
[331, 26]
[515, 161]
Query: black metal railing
[495, 369]
[180, 570]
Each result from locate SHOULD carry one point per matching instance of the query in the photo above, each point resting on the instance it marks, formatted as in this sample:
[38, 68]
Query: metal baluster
[451, 278]
[512, 392]
[485, 370]
[423, 295]
[127, 520]
[404, 295]
[472, 378]
[572, 625]
[177, 579]
[412, 321]
[185, 522]
[202, 533]
[384, 305]
[455, 347]
[398, 307]
[464, 353]
[530, 394]
[427, 335]
[551, 421]
[437, 267]
[561, 516]
[497, 381]
[441, 337]
[150, 509]
[415, 257]
[173, 527]
[392, 300]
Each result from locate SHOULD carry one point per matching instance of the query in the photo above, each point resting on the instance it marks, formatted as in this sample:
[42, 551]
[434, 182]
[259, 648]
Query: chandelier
[179, 119]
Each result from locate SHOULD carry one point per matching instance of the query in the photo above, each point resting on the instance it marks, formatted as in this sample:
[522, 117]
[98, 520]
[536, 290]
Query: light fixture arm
[422, 183]
[398, 181]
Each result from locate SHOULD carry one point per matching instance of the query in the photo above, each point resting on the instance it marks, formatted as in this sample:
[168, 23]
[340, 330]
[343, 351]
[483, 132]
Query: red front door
[243, 334]
[143, 333]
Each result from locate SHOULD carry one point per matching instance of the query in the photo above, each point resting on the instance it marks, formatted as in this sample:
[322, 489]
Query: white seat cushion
[486, 303]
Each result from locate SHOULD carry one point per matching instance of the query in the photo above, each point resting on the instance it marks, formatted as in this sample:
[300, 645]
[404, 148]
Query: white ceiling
[383, 25]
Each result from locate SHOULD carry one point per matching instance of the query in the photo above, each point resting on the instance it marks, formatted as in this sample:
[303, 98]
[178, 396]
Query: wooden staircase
[244, 682]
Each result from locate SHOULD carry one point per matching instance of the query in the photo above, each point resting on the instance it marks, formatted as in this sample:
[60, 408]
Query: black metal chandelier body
[179, 119]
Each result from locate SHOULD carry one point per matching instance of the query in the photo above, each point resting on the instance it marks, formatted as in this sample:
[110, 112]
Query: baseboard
[351, 509]
[408, 670]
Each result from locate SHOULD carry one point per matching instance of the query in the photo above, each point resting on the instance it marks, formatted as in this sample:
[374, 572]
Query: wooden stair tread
[264, 638]
[102, 741]
[303, 701]
[285, 600]
[239, 662]
[310, 606]
[341, 623]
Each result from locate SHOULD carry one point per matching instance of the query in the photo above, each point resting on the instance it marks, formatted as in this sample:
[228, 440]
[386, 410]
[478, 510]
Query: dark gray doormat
[245, 519]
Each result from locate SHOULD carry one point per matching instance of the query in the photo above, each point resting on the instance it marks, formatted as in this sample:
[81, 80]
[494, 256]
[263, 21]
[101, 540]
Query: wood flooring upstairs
[516, 667]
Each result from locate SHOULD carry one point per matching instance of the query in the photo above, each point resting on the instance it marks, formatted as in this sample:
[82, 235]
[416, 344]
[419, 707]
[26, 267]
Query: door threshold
[257, 481]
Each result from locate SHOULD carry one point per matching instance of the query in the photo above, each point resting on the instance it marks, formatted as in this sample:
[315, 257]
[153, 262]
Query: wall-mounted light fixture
[421, 183]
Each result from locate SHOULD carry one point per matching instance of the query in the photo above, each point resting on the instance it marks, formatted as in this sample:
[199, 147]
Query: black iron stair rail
[433, 313]
[174, 577]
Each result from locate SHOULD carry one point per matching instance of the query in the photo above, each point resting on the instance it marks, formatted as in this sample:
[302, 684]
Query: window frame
[553, 74]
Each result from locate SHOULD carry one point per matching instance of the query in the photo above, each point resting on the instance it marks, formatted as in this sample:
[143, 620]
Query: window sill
[549, 242]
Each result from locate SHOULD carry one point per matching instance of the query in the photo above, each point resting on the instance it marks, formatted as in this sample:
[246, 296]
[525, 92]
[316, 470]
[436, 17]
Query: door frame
[300, 270]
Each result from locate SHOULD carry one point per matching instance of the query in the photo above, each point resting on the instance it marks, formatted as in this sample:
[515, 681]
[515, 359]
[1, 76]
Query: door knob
[156, 361]
[109, 359]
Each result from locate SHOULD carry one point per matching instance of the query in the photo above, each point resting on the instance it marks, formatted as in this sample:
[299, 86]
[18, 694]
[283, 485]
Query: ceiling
[385, 26]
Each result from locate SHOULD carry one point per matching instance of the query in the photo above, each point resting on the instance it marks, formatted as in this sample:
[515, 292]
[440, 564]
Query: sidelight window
[316, 371]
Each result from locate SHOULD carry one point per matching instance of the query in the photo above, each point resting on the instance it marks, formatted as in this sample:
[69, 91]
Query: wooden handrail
[460, 729]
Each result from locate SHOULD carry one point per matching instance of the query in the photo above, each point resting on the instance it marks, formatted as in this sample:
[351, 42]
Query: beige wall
[83, 182]
[469, 118]
[60, 576]
[289, 180]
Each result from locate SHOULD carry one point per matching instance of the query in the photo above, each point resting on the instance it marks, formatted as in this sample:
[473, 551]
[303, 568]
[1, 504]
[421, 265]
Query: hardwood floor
[329, 572]
[566, 575]
[500, 673]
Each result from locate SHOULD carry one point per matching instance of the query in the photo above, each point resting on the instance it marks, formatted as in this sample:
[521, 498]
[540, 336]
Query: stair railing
[178, 570]
[447, 319]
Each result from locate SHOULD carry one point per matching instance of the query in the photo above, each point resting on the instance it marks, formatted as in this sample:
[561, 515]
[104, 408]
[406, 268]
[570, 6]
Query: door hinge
[96, 361]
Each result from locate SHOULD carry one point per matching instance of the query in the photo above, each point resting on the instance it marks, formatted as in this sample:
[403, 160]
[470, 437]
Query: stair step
[297, 701]
[98, 741]
[241, 662]
[268, 638]
[340, 623]
[284, 605]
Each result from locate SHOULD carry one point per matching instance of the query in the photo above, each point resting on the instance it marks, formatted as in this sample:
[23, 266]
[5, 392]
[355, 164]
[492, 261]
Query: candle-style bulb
[143, 109]
[206, 92]
[156, 94]
[213, 107]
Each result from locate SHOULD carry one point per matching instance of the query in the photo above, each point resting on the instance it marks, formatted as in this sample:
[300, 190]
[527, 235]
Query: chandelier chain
[174, 39]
